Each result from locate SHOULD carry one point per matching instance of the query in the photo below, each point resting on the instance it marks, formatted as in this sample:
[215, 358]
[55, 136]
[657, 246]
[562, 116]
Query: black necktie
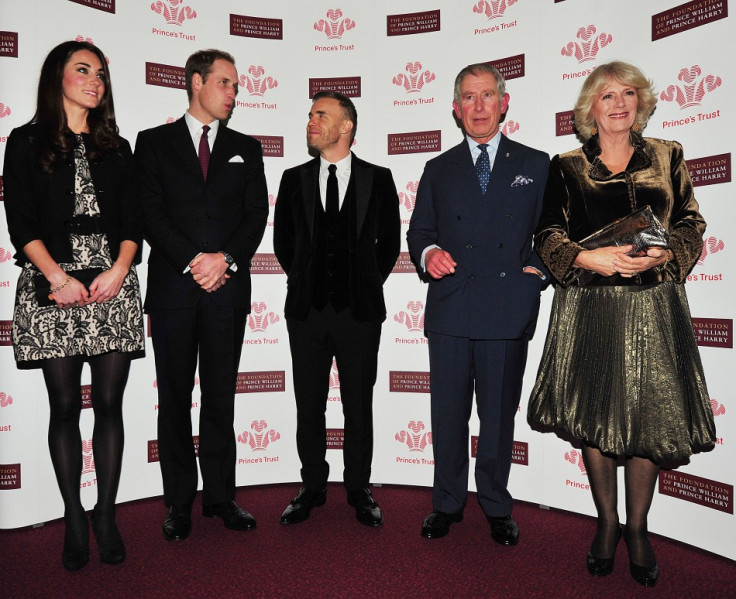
[333, 196]
[204, 151]
[483, 167]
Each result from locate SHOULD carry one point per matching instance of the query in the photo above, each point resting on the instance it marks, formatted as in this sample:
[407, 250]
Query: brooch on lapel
[521, 180]
[236, 158]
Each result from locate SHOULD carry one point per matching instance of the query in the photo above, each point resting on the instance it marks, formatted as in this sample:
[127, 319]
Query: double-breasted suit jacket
[490, 238]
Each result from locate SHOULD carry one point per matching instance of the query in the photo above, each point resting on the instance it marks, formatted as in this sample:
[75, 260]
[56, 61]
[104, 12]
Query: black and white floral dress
[41, 332]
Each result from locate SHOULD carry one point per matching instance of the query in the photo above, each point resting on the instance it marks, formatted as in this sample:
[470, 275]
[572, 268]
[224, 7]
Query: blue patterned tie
[483, 167]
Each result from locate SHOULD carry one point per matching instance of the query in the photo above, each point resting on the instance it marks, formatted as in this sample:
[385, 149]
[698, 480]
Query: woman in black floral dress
[74, 220]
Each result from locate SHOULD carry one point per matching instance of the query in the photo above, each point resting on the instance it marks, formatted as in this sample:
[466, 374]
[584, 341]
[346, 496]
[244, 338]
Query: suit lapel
[503, 167]
[363, 189]
[220, 152]
[309, 176]
[183, 146]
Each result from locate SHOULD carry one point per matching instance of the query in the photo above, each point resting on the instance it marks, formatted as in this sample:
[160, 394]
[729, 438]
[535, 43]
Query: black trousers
[314, 342]
[214, 334]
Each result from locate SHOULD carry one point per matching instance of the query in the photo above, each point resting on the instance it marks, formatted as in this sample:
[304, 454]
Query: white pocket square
[521, 180]
[236, 158]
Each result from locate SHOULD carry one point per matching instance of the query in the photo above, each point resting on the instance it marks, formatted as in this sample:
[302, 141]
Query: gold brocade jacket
[582, 196]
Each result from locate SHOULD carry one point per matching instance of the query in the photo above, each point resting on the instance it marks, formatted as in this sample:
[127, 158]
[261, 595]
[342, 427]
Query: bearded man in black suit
[205, 208]
[337, 237]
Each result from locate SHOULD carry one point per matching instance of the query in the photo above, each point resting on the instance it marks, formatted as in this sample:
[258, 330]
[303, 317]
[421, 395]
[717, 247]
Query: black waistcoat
[331, 254]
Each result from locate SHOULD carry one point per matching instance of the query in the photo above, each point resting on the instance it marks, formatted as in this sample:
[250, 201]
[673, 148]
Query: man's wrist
[230, 261]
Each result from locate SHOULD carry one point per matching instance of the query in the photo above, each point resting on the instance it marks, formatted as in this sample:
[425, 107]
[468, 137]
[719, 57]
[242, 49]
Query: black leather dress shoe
[299, 507]
[366, 509]
[504, 530]
[437, 524]
[234, 516]
[178, 523]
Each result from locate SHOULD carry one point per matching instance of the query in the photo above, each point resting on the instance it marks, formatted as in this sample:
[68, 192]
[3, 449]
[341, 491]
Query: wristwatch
[231, 266]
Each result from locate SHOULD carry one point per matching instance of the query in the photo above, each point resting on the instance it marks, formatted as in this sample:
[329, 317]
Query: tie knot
[482, 147]
[205, 129]
[332, 168]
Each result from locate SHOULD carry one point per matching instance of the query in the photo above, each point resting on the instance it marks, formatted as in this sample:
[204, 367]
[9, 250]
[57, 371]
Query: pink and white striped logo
[408, 198]
[692, 88]
[255, 82]
[174, 12]
[413, 317]
[588, 44]
[492, 9]
[414, 436]
[260, 317]
[5, 399]
[88, 458]
[259, 437]
[576, 457]
[334, 26]
[415, 78]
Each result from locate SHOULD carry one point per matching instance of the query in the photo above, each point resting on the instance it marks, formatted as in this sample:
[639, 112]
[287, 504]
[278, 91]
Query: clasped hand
[209, 271]
[611, 260]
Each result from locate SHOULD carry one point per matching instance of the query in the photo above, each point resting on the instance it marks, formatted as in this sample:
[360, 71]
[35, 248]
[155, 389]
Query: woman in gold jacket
[621, 370]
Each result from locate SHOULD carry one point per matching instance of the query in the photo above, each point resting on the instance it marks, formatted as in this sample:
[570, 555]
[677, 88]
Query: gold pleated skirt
[622, 372]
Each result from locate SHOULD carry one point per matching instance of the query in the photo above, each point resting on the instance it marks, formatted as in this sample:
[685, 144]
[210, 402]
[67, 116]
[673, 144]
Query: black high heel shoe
[76, 551]
[645, 575]
[109, 542]
[603, 566]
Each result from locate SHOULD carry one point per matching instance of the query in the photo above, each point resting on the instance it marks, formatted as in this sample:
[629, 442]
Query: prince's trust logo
[414, 79]
[260, 320]
[259, 437]
[588, 44]
[4, 110]
[575, 458]
[692, 88]
[414, 436]
[493, 8]
[413, 317]
[173, 11]
[334, 26]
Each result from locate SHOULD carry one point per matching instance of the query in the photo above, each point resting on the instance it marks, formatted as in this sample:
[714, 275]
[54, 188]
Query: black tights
[640, 478]
[63, 382]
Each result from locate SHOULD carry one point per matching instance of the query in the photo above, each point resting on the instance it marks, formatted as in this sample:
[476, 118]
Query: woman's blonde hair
[625, 73]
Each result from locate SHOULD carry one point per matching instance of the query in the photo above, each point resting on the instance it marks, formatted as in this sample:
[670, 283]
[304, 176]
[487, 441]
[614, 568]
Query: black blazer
[40, 205]
[374, 236]
[184, 215]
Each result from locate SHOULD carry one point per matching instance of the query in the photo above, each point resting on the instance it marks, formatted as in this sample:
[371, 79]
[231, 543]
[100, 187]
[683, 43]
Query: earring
[593, 130]
[635, 127]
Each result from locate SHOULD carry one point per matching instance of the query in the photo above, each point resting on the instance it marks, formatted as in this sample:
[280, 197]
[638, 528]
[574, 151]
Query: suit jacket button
[469, 246]
[503, 274]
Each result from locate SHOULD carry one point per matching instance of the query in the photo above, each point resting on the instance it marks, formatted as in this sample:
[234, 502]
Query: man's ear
[456, 108]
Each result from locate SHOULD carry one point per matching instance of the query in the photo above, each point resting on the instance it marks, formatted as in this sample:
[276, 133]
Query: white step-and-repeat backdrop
[398, 61]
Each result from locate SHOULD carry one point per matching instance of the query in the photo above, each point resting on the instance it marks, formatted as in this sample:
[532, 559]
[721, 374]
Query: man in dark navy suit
[205, 208]
[471, 236]
[337, 235]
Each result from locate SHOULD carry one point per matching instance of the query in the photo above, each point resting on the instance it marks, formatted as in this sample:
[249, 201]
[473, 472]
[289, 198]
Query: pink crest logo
[170, 119]
[718, 408]
[510, 128]
[414, 318]
[408, 199]
[260, 438]
[414, 437]
[81, 38]
[334, 375]
[415, 79]
[5, 255]
[88, 458]
[493, 8]
[711, 245]
[255, 83]
[588, 46]
[335, 25]
[259, 319]
[692, 88]
[4, 110]
[173, 11]
[5, 400]
[271, 200]
[575, 457]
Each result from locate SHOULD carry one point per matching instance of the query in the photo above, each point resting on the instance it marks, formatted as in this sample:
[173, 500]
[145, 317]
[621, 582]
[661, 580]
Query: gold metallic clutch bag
[641, 229]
